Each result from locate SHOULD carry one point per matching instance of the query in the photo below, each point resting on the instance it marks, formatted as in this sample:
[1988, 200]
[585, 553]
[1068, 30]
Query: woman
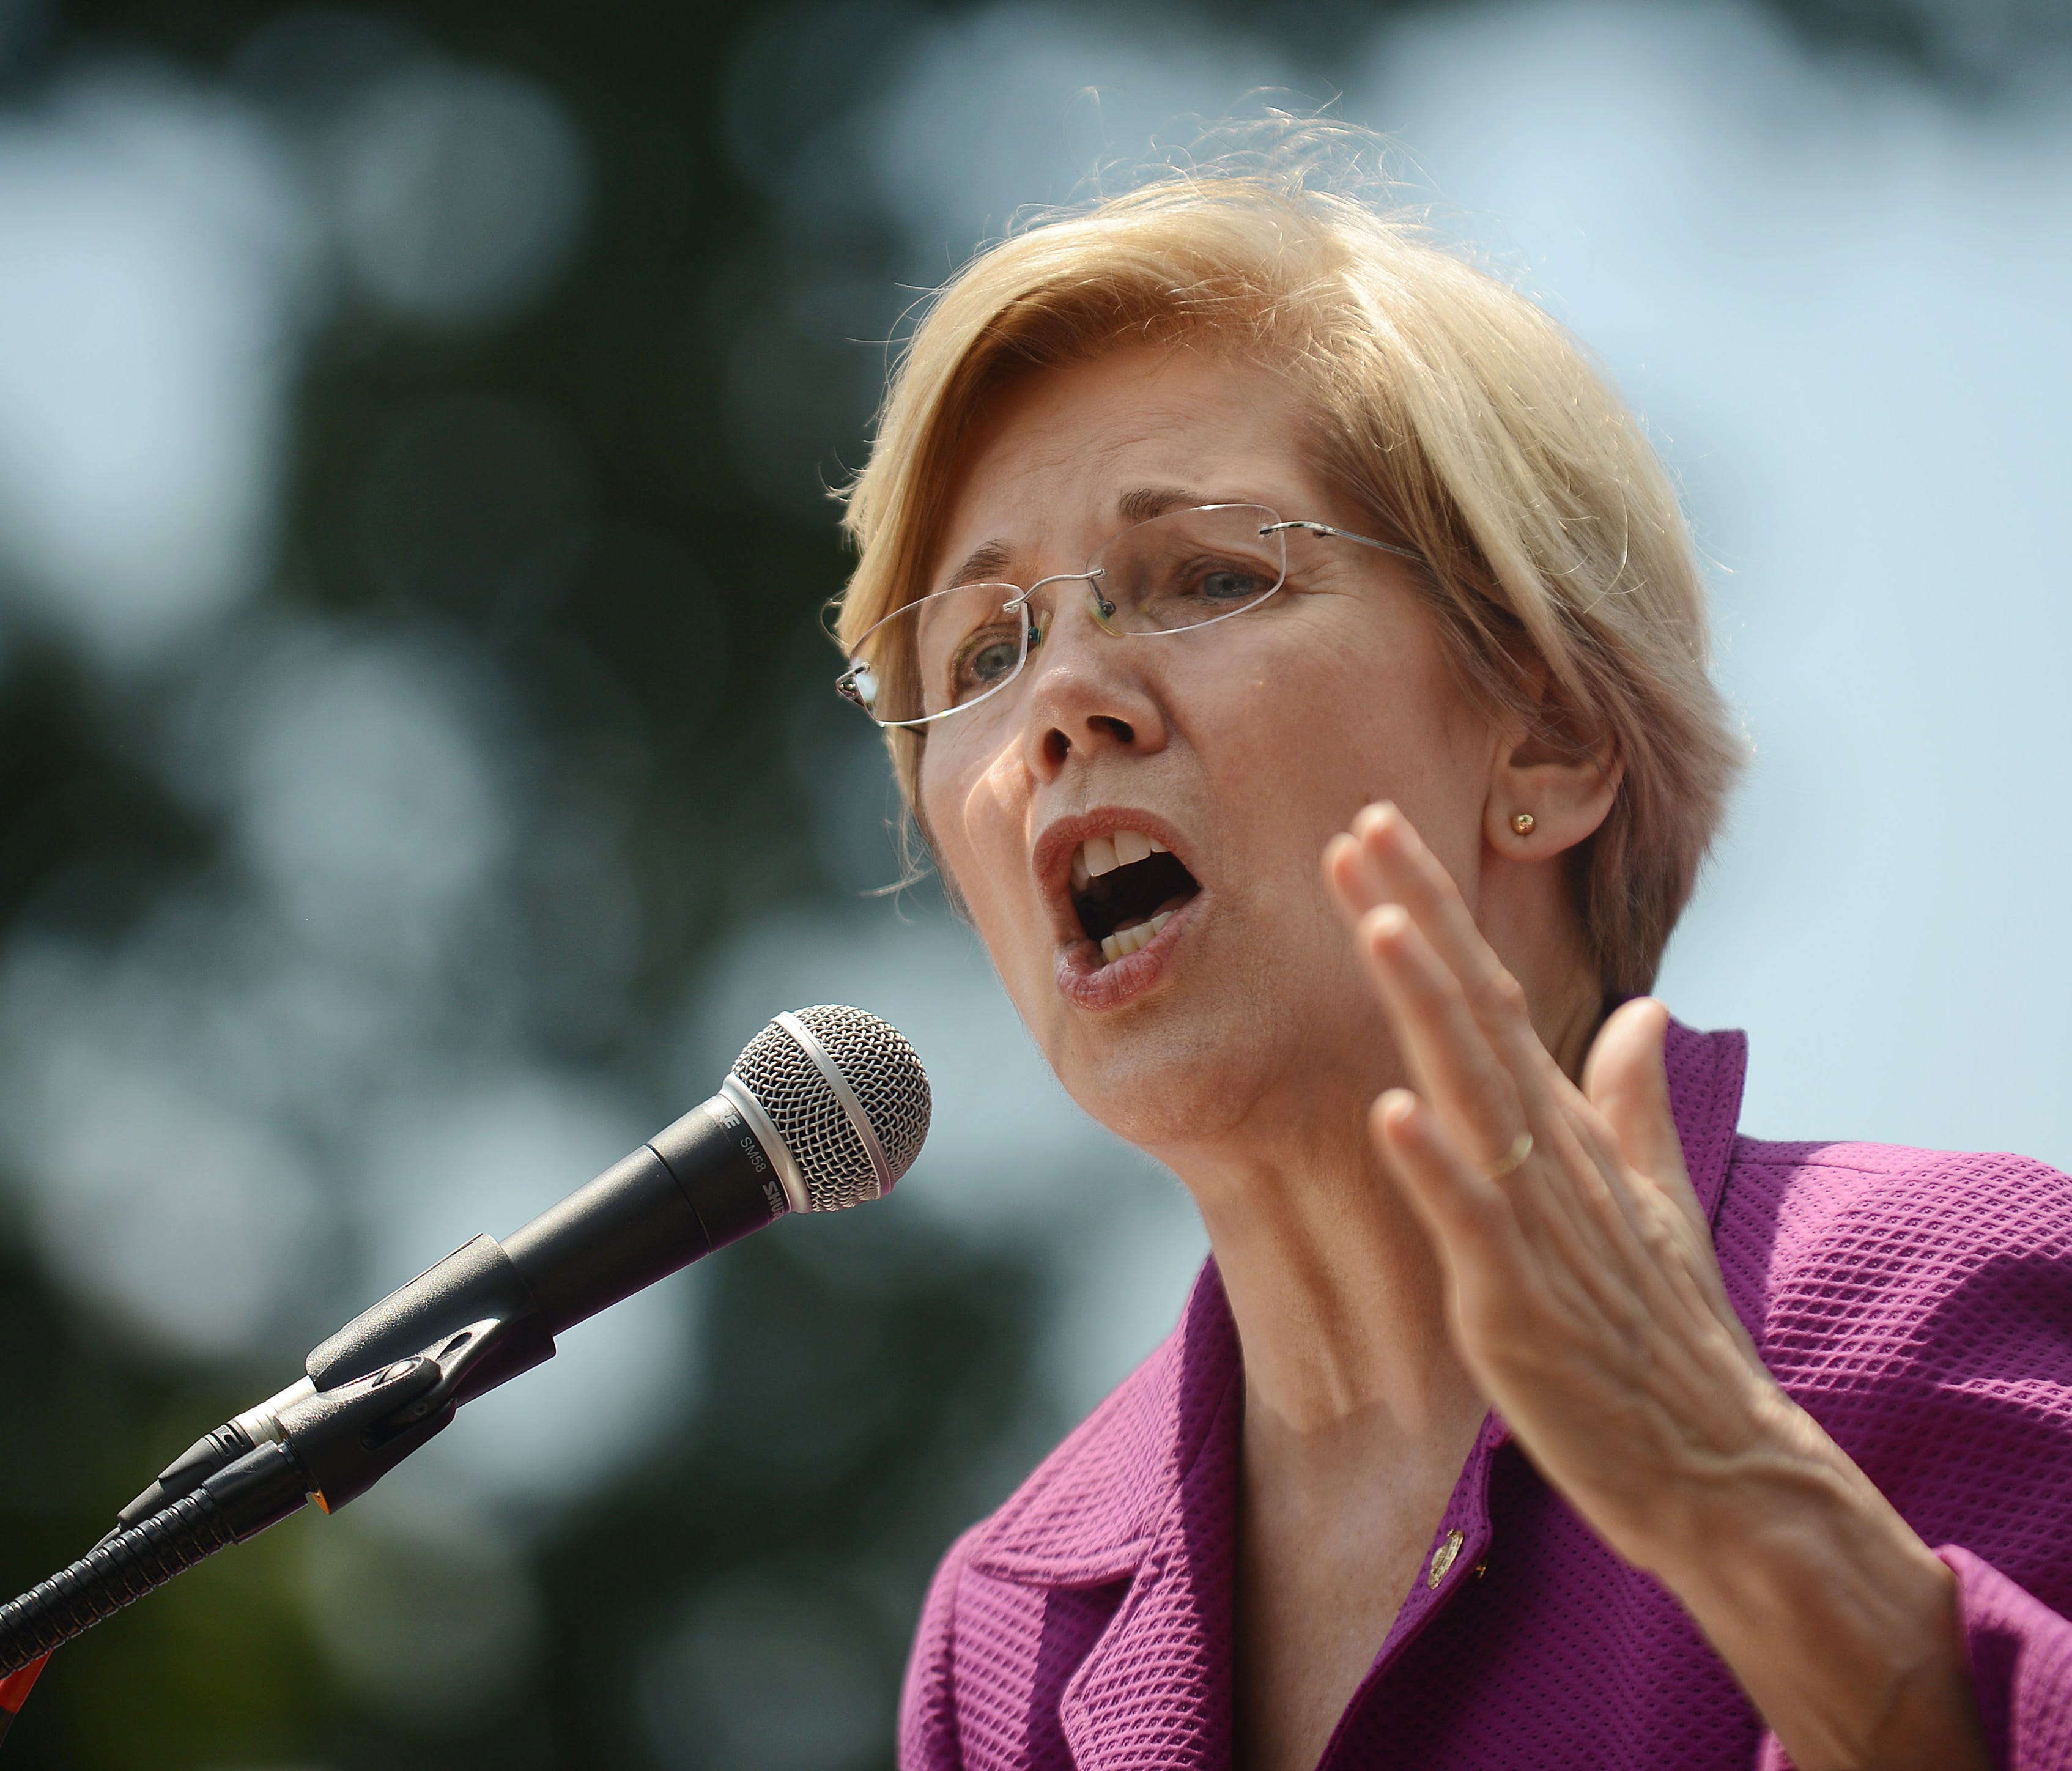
[1295, 661]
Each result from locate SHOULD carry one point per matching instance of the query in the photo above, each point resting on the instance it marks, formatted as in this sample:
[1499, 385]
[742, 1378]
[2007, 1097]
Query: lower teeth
[1125, 942]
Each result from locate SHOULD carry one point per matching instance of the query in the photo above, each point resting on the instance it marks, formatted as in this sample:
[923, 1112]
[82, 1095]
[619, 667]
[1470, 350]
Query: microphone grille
[880, 1069]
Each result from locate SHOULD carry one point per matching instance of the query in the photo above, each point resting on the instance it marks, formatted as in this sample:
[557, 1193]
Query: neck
[1339, 1306]
[1337, 1299]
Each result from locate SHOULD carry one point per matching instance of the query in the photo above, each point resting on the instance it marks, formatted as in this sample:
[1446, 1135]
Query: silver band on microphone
[774, 1147]
[851, 1107]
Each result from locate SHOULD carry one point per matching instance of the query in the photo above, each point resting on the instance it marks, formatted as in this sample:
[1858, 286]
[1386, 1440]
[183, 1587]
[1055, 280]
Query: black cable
[125, 1568]
[259, 1489]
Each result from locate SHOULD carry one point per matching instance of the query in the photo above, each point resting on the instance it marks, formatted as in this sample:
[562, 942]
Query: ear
[1559, 768]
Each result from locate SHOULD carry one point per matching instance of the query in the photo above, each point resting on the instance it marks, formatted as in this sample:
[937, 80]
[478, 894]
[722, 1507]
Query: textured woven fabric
[1918, 1304]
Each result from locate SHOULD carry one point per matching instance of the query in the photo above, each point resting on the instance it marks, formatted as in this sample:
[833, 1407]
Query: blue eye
[1231, 584]
[991, 663]
[987, 660]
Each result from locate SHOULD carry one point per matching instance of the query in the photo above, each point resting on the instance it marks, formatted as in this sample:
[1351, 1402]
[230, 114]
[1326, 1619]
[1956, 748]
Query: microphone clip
[348, 1437]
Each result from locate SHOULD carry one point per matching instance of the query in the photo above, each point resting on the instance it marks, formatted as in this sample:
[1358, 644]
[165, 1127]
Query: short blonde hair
[1462, 421]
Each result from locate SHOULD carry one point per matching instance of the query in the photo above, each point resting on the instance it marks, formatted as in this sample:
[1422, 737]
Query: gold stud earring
[1522, 822]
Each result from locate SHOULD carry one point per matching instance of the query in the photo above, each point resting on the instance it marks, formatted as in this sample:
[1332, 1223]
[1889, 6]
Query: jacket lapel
[1145, 1491]
[1154, 1692]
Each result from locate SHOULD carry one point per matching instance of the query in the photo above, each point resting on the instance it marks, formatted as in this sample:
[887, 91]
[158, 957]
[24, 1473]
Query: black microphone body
[704, 1182]
[697, 1186]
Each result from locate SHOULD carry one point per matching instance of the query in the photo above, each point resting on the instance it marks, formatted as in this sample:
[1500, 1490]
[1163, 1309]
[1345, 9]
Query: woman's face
[1241, 747]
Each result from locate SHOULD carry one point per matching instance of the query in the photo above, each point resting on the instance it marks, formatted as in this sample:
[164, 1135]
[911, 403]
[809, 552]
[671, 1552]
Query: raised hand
[1586, 1301]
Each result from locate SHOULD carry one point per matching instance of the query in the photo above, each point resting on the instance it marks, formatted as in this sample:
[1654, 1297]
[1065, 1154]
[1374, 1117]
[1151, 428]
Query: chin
[1171, 1075]
[1164, 1113]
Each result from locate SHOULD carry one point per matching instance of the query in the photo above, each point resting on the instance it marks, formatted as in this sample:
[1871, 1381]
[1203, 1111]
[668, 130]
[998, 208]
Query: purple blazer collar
[1144, 1492]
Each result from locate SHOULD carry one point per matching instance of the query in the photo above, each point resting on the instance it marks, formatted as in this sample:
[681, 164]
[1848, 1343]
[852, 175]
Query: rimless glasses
[952, 651]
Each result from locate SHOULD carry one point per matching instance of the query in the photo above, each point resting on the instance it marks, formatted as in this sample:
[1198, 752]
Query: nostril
[1058, 742]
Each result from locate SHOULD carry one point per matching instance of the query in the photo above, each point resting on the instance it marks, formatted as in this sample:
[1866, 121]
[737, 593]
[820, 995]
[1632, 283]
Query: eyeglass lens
[954, 649]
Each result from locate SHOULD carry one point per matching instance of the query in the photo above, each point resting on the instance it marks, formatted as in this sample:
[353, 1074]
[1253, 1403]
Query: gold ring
[1521, 1148]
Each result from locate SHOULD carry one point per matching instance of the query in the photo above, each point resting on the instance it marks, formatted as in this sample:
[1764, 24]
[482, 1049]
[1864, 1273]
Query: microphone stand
[334, 1444]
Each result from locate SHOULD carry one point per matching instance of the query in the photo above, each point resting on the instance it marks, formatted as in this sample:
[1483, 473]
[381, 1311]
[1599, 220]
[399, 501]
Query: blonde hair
[1461, 419]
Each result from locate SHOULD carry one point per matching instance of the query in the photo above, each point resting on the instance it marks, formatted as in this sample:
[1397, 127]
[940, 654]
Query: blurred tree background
[418, 773]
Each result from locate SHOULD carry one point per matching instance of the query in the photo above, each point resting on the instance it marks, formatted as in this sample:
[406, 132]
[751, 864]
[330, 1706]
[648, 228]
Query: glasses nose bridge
[1092, 574]
[1041, 622]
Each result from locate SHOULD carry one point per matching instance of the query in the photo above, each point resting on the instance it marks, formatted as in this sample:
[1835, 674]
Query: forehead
[1063, 457]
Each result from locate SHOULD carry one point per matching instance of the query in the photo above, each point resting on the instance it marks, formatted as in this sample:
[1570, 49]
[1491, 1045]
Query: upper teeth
[1099, 855]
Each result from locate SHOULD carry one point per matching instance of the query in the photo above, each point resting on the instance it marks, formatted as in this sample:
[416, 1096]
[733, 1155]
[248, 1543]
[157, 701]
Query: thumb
[1626, 1079]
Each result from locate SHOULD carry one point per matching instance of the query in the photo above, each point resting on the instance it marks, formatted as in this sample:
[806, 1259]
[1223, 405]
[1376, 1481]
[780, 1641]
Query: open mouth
[1125, 887]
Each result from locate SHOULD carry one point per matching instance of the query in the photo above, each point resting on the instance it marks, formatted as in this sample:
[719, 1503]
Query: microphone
[826, 1109]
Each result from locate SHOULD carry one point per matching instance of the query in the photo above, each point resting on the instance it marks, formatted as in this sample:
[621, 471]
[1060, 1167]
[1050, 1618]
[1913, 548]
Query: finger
[1486, 1094]
[1583, 1169]
[1463, 1210]
[1456, 1068]
[1569, 1193]
[1485, 1247]
[1403, 868]
[1494, 1271]
[1581, 1192]
[1356, 885]
[1406, 871]
[1626, 1079]
[1579, 1198]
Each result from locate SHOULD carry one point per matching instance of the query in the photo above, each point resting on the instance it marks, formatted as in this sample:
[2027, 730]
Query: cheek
[975, 829]
[1336, 712]
[942, 813]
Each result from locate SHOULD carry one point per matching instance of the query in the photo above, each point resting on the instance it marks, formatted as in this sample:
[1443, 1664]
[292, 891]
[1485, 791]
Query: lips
[1117, 887]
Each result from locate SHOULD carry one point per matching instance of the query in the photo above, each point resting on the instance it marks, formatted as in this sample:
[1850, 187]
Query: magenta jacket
[1918, 1305]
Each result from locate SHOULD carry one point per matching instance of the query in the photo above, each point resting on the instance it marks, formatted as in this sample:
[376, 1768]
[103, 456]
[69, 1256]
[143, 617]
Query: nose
[1090, 696]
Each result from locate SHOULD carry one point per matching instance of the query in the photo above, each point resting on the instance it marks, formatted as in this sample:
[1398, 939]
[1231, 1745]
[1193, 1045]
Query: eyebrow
[1141, 504]
[985, 563]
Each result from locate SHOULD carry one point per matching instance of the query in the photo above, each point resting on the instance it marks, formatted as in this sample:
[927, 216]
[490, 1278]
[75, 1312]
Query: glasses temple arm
[1343, 535]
